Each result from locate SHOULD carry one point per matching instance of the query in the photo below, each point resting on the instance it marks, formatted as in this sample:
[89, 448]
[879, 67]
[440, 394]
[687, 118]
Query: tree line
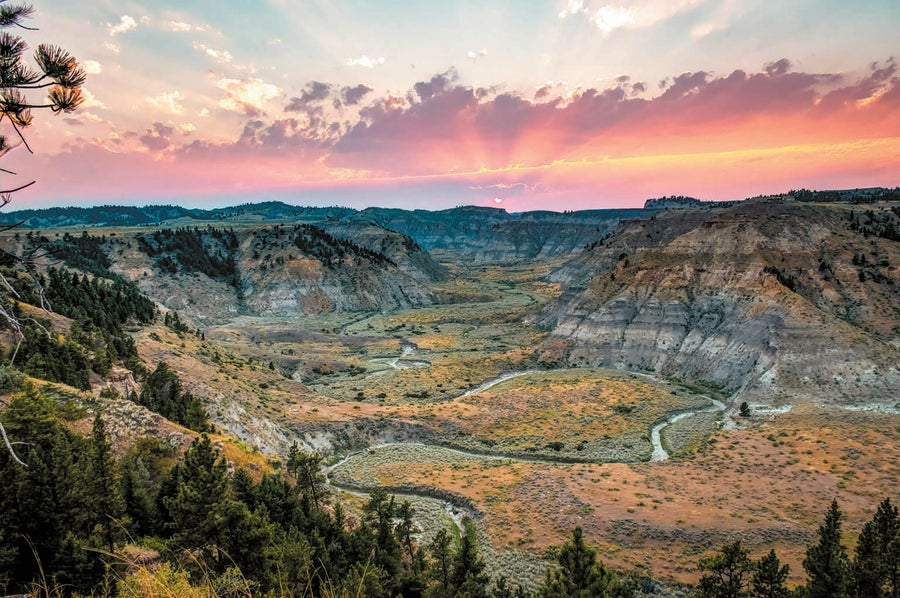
[872, 572]
[97, 338]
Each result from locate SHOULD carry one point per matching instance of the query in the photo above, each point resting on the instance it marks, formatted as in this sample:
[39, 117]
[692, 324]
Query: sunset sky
[521, 104]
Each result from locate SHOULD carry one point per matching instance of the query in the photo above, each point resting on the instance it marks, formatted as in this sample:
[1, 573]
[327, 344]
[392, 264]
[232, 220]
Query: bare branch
[9, 227]
[17, 188]
[9, 287]
[19, 133]
[17, 330]
[9, 446]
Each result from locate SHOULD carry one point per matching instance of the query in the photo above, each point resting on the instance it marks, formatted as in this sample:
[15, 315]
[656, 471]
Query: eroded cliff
[765, 299]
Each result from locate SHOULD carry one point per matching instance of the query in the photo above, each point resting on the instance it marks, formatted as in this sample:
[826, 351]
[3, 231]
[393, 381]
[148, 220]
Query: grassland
[767, 485]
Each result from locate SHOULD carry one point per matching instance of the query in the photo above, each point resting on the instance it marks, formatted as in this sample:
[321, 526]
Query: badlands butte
[669, 378]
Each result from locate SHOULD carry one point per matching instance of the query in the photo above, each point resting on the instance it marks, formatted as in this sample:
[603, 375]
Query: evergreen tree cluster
[874, 571]
[163, 393]
[60, 511]
[96, 340]
[84, 252]
[109, 306]
[174, 322]
[855, 196]
[331, 251]
[210, 251]
[880, 223]
[49, 356]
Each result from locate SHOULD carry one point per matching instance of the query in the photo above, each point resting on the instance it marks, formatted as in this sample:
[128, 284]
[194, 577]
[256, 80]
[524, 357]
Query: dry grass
[768, 485]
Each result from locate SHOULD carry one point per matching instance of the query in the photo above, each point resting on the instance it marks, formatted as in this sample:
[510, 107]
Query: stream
[399, 363]
[491, 382]
[659, 453]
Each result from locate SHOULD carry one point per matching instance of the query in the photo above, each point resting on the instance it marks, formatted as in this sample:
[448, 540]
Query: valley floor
[471, 411]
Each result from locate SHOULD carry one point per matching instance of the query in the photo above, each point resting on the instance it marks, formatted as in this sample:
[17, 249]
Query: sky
[519, 104]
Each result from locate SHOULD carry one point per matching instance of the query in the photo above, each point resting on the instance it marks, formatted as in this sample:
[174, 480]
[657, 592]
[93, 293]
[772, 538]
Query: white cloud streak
[168, 102]
[220, 56]
[92, 67]
[247, 96]
[365, 61]
[126, 23]
[90, 101]
[627, 14]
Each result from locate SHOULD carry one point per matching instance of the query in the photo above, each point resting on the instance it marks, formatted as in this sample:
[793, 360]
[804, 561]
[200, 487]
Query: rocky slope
[760, 298]
[287, 270]
[402, 250]
[214, 273]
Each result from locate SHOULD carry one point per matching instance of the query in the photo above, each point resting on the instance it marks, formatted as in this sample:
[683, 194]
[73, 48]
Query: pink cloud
[705, 134]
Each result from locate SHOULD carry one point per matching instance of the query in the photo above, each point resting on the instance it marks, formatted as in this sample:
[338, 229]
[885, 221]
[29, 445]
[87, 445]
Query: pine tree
[307, 469]
[441, 556]
[278, 497]
[580, 574]
[104, 502]
[769, 578]
[163, 393]
[244, 489]
[874, 568]
[727, 574]
[826, 561]
[468, 576]
[201, 489]
[379, 516]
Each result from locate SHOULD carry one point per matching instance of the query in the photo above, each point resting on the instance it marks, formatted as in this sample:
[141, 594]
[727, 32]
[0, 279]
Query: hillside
[777, 300]
[213, 272]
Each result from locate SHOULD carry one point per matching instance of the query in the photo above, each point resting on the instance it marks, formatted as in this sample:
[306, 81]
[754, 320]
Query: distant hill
[486, 235]
[98, 216]
[673, 201]
[492, 235]
[157, 215]
[473, 234]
